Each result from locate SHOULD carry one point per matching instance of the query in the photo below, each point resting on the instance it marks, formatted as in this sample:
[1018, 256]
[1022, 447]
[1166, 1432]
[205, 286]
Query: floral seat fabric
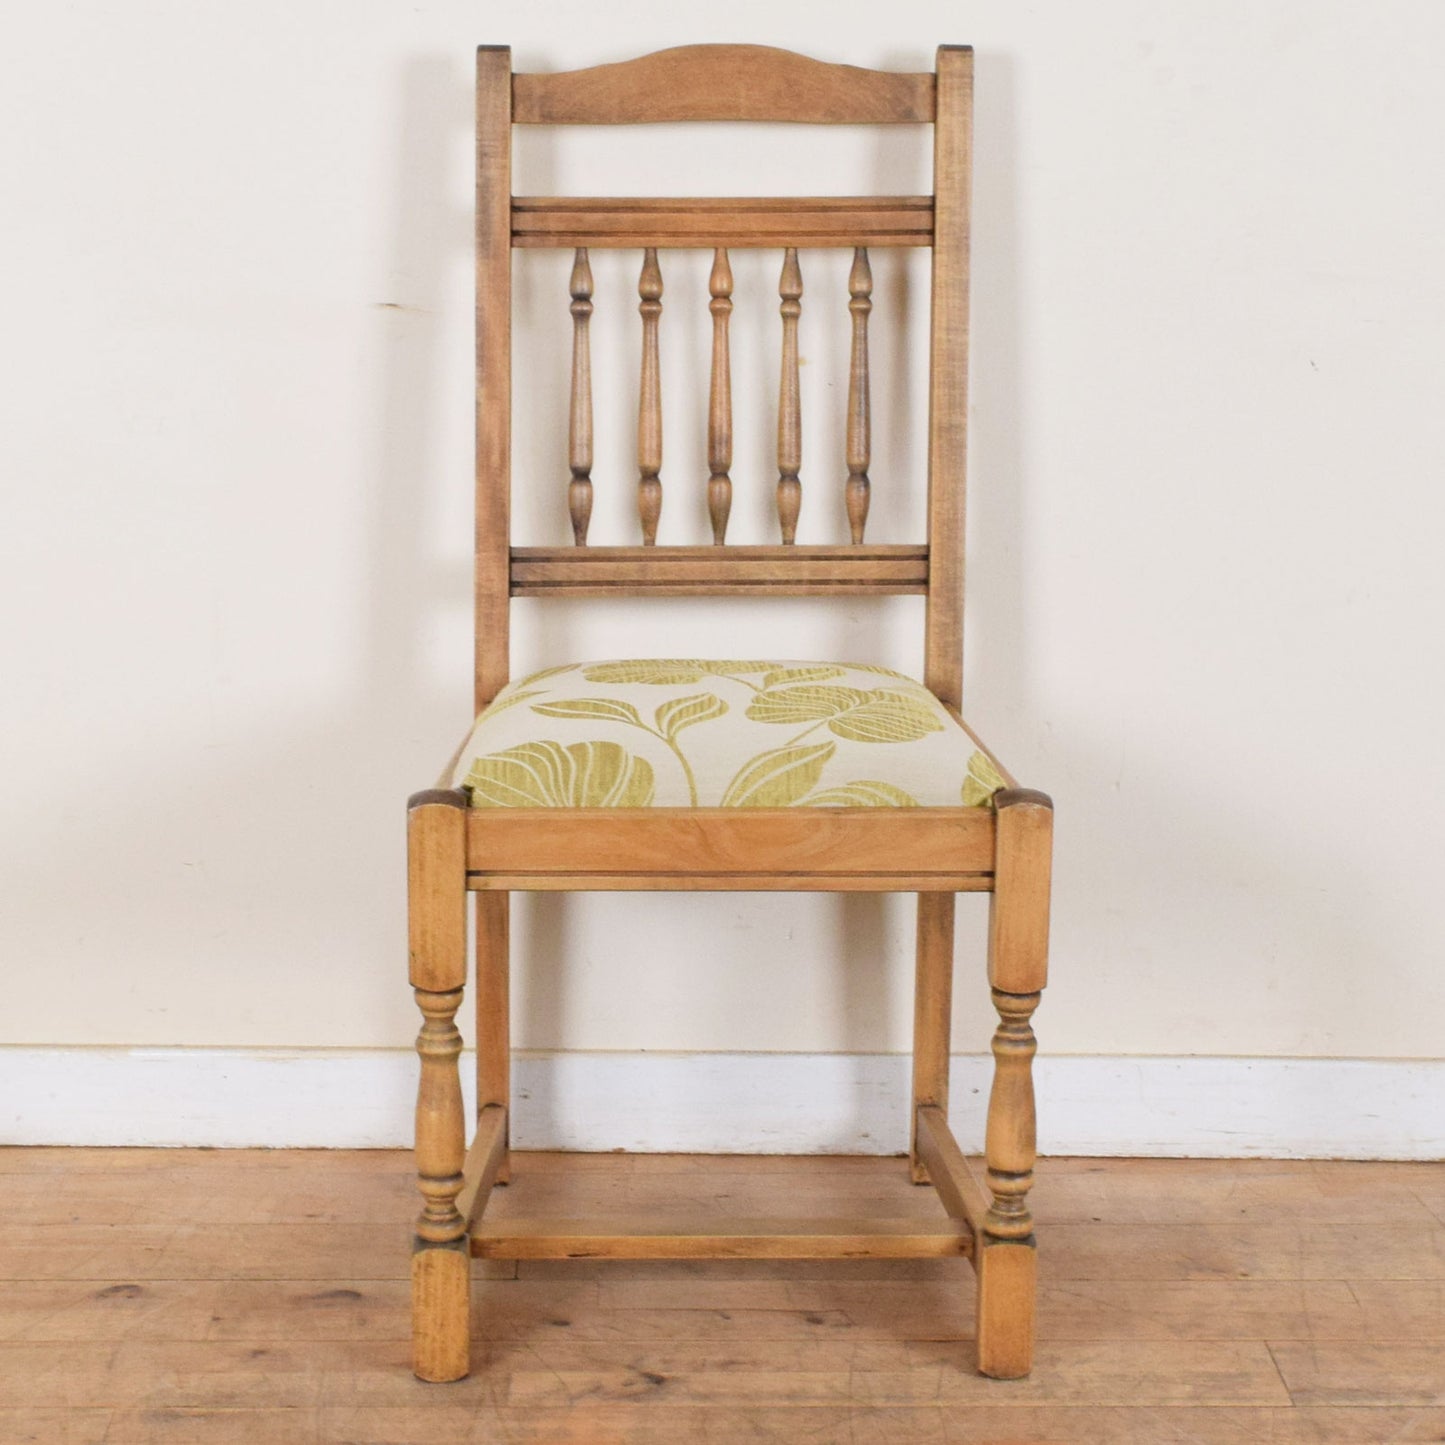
[688, 733]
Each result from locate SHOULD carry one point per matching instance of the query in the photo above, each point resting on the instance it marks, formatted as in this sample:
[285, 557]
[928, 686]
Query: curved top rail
[723, 82]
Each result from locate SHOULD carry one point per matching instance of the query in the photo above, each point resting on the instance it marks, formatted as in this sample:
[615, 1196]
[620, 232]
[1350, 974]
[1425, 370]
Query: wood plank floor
[222, 1296]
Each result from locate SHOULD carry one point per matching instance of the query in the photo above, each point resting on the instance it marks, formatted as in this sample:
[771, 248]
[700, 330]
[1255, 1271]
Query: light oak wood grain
[720, 399]
[932, 1014]
[859, 443]
[948, 374]
[722, 221]
[1018, 952]
[579, 427]
[766, 591]
[493, 490]
[790, 417]
[440, 1267]
[660, 1236]
[483, 1162]
[436, 862]
[958, 1189]
[723, 82]
[683, 843]
[494, 1010]
[635, 575]
[661, 881]
[649, 410]
[719, 570]
[441, 1312]
[1018, 939]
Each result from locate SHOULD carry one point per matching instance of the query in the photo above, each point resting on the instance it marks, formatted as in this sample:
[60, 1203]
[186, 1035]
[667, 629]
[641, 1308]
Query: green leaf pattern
[865, 793]
[982, 782]
[779, 778]
[877, 715]
[683, 712]
[591, 707]
[549, 775]
[662, 672]
[758, 734]
[787, 676]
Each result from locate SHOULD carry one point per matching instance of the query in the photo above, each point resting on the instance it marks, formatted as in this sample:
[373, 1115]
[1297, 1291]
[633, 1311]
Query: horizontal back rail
[723, 82]
[746, 221]
[720, 571]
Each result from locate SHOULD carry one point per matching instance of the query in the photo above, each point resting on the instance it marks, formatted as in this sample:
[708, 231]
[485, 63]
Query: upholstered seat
[750, 734]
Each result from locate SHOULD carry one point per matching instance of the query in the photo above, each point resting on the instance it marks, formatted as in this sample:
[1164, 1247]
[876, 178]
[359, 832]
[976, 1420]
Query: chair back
[724, 83]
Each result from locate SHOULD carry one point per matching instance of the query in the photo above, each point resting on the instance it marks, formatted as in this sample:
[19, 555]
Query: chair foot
[1005, 1321]
[441, 1311]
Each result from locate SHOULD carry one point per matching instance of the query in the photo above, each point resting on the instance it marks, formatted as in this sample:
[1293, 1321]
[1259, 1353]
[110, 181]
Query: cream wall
[1204, 577]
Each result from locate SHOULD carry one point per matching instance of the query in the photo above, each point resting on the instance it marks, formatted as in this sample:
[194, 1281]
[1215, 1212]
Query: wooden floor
[153, 1296]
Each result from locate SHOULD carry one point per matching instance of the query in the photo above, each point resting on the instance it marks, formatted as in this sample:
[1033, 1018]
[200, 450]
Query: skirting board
[726, 1103]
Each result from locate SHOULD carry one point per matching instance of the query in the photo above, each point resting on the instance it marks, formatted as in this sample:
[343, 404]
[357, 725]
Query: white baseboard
[726, 1103]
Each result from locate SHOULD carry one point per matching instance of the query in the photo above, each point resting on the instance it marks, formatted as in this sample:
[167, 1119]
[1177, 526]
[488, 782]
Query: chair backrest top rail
[744, 221]
[724, 82]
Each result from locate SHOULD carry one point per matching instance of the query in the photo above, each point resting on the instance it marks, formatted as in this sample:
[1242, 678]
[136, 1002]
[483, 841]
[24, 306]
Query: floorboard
[227, 1296]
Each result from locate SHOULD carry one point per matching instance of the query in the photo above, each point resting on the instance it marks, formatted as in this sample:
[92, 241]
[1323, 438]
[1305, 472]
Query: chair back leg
[494, 1009]
[932, 1014]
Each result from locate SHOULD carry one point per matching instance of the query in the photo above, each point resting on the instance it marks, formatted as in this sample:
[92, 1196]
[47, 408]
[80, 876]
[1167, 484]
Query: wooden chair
[455, 847]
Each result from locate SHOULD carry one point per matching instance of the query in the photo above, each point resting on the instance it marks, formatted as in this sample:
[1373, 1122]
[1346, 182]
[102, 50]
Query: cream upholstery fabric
[689, 733]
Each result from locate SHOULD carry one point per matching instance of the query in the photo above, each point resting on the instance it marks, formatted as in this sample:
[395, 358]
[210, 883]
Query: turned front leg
[441, 1255]
[1018, 964]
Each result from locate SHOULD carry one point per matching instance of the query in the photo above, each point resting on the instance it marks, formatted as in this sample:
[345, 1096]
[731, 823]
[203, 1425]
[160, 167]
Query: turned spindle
[649, 410]
[720, 399]
[440, 1123]
[790, 414]
[1009, 1141]
[1006, 1256]
[441, 1259]
[579, 430]
[860, 290]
